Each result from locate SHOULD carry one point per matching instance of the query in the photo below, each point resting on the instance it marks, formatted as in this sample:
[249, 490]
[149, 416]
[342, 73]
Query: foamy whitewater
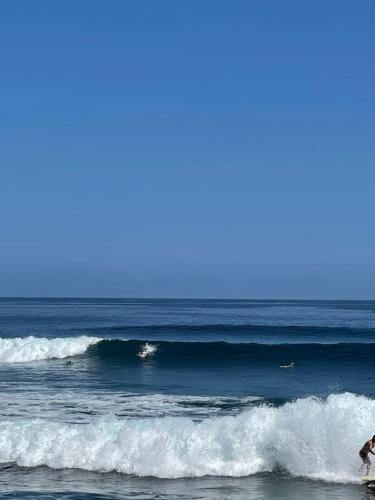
[22, 350]
[185, 399]
[309, 438]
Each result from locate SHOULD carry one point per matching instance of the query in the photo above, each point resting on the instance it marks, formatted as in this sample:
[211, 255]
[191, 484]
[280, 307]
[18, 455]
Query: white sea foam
[308, 437]
[21, 350]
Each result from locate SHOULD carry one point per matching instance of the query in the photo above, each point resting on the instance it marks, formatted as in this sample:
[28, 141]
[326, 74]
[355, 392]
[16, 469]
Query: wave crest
[21, 350]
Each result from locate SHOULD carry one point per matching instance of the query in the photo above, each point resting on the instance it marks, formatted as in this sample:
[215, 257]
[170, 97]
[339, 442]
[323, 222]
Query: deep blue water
[219, 369]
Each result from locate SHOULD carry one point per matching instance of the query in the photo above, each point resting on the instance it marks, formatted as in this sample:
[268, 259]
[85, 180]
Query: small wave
[310, 438]
[21, 350]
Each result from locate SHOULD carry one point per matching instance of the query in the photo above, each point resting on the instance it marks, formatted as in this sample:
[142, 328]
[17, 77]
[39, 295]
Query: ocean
[185, 399]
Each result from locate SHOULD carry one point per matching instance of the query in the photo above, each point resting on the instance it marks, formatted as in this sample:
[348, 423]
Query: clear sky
[187, 148]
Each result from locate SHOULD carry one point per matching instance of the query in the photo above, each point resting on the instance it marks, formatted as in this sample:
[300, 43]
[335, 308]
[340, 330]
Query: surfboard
[369, 481]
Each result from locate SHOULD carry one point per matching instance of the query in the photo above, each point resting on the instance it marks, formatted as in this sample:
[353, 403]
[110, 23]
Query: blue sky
[187, 148]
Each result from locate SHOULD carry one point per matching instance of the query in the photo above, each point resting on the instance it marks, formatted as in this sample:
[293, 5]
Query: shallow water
[71, 484]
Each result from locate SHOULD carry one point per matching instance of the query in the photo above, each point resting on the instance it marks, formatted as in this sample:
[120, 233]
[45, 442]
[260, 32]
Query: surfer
[365, 450]
[147, 350]
[288, 365]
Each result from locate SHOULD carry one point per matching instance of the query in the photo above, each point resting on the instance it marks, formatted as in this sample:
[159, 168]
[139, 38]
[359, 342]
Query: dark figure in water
[365, 450]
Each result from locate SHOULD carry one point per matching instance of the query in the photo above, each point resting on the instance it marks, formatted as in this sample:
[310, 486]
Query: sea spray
[147, 350]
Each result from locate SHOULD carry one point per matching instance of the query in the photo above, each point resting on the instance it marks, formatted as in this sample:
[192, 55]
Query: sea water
[185, 399]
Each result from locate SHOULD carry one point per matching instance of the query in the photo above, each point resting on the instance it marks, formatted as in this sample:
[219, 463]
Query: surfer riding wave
[365, 450]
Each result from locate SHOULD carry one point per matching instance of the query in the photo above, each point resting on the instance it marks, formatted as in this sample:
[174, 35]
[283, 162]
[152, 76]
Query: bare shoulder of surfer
[369, 445]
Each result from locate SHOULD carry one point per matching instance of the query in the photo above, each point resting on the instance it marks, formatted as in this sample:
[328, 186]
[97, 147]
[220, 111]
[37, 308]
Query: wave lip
[236, 333]
[310, 438]
[26, 349]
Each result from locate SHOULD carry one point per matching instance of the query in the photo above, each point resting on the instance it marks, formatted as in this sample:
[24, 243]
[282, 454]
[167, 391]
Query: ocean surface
[185, 399]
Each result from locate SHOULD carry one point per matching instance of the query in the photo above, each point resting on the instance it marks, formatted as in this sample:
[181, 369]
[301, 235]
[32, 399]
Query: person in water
[365, 450]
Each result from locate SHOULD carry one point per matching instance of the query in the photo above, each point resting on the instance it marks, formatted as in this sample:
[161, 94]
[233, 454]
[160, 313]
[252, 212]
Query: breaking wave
[310, 437]
[21, 350]
[176, 354]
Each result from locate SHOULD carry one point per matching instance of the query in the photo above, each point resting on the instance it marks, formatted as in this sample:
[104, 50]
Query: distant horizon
[274, 299]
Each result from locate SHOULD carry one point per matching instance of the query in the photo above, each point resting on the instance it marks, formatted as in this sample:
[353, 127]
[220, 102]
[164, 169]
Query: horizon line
[274, 299]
